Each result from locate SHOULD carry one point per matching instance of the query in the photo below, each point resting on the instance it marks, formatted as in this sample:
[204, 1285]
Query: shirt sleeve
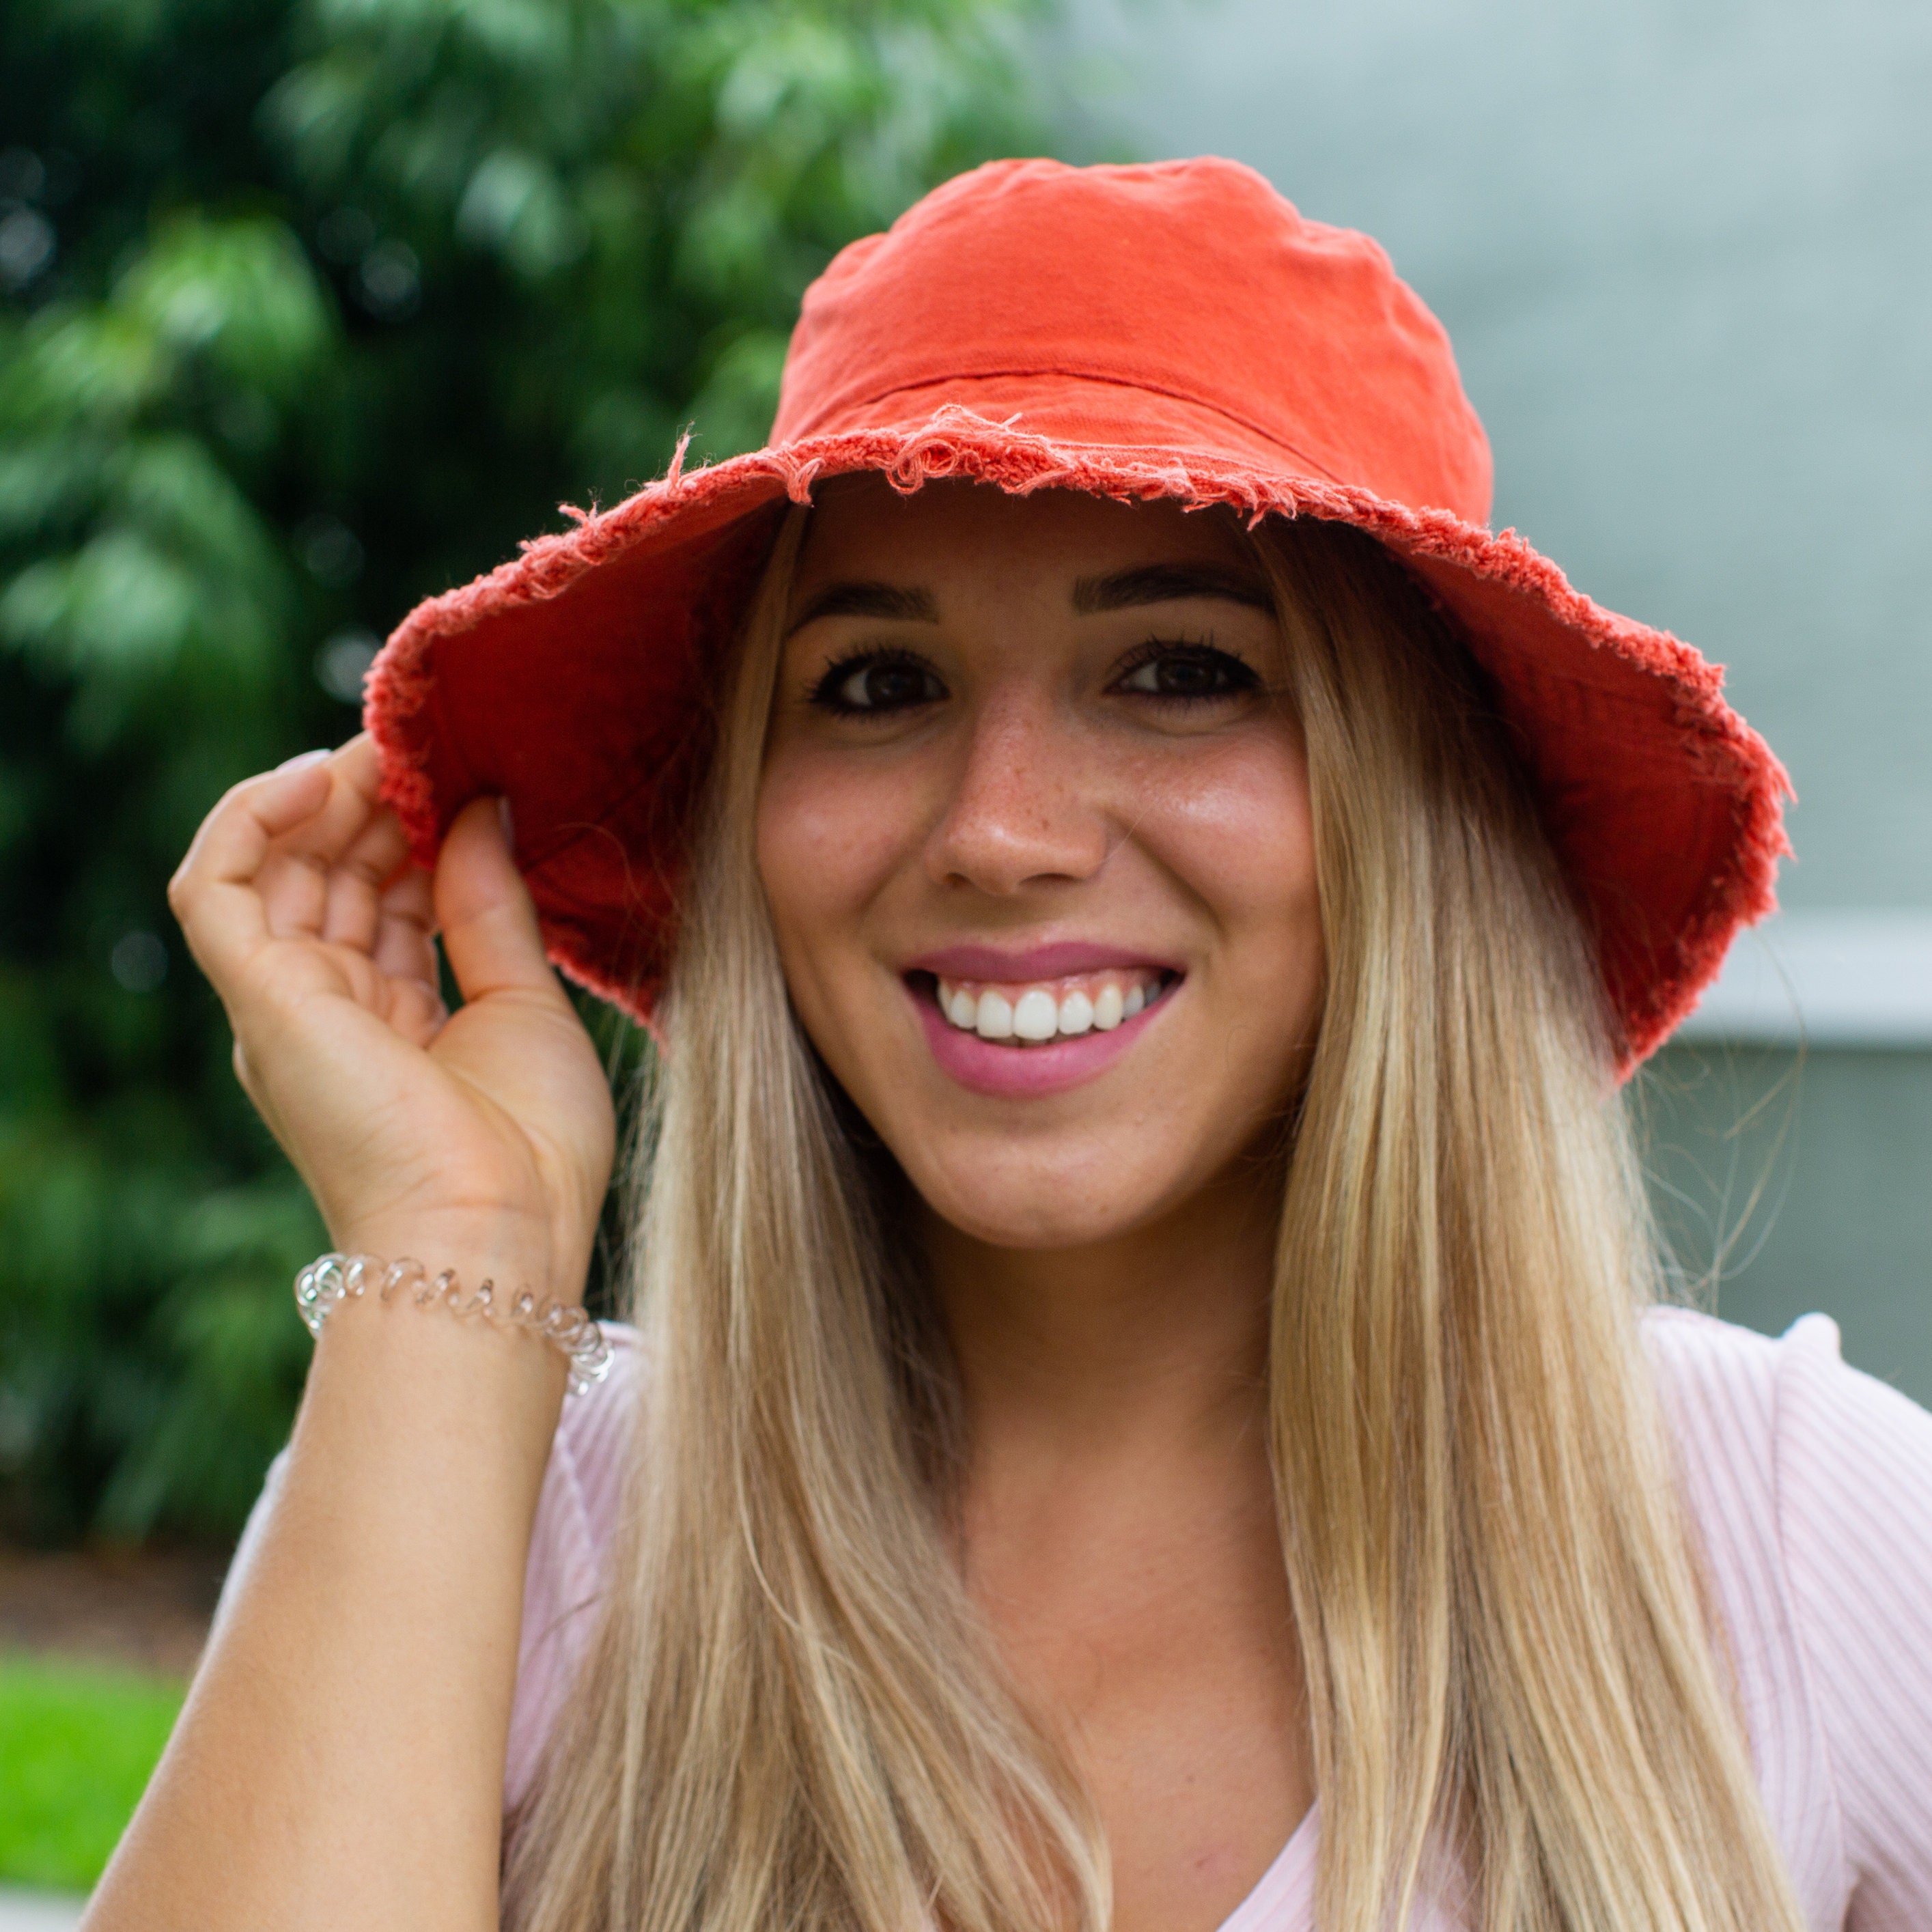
[565, 1580]
[1854, 1480]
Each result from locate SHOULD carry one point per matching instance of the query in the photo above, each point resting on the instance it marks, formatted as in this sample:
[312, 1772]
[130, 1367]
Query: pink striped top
[1812, 1484]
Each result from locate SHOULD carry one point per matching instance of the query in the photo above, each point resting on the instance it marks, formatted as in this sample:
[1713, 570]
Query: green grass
[77, 1742]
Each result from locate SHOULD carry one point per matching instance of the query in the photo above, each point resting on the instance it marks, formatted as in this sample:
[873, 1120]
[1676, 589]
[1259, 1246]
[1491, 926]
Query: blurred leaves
[240, 294]
[306, 310]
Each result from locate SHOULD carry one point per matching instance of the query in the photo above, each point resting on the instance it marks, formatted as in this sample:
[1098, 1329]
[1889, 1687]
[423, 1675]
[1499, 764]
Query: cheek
[1241, 834]
[830, 835]
[1239, 838]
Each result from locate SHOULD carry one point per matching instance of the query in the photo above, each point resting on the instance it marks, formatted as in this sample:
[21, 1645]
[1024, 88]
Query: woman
[1141, 1412]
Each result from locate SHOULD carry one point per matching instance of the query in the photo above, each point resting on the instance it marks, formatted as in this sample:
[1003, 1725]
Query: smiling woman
[956, 757]
[1145, 1408]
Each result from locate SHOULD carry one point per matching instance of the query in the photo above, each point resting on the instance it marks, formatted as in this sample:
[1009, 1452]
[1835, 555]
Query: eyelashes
[1171, 672]
[1184, 671]
[876, 683]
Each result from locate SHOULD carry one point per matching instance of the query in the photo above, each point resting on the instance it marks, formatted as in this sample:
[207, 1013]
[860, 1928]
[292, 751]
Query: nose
[1024, 808]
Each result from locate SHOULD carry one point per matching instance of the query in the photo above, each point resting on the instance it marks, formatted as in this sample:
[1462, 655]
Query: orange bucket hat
[1171, 331]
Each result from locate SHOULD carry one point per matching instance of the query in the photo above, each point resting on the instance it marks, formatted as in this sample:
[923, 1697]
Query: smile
[1020, 1023]
[1024, 1015]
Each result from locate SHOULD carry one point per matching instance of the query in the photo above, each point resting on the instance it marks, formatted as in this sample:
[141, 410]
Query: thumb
[488, 921]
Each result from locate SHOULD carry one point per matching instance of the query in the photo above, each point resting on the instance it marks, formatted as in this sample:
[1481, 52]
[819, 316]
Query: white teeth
[1034, 1014]
[994, 1018]
[1035, 1017]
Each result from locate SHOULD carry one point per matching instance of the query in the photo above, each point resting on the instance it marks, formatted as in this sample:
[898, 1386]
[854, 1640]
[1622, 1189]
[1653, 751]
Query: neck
[1152, 1341]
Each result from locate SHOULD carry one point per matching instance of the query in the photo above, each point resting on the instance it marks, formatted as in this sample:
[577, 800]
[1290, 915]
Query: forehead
[862, 528]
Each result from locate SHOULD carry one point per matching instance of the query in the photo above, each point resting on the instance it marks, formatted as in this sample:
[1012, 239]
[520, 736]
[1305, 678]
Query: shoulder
[1811, 1484]
[1787, 1451]
[570, 1550]
[1788, 1422]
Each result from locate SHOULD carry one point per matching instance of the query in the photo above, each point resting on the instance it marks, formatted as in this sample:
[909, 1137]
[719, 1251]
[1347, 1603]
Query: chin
[1033, 1208]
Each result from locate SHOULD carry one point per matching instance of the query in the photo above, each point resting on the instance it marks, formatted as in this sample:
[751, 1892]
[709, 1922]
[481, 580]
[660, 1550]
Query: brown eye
[877, 684]
[1187, 673]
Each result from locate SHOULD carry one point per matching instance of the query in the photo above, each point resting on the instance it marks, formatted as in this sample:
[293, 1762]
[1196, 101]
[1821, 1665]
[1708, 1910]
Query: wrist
[516, 1253]
[333, 1281]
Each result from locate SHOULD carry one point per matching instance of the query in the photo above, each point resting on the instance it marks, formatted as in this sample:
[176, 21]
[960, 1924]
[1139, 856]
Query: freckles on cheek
[829, 838]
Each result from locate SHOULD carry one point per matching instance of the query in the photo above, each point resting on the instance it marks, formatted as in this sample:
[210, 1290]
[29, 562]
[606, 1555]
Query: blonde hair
[791, 1717]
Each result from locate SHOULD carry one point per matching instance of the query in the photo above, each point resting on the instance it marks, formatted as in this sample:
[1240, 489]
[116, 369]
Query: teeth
[1035, 1017]
[1032, 1014]
[993, 1018]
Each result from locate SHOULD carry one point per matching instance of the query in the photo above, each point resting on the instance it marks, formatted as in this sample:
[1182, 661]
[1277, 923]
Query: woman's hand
[482, 1139]
[340, 1759]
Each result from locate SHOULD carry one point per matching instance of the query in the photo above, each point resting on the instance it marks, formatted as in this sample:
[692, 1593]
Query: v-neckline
[1283, 1899]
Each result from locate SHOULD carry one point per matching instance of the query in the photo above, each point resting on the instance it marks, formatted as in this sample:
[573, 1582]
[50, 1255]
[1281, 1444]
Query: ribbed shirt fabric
[1812, 1486]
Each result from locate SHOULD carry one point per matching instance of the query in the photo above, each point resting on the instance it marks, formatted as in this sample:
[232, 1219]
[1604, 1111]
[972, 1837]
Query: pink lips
[1011, 1072]
[1059, 961]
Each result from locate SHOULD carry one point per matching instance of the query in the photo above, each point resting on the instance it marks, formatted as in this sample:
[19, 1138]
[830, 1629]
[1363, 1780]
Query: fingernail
[302, 758]
[509, 823]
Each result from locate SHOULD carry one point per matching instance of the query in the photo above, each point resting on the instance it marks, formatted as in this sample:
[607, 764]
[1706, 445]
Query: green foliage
[76, 1746]
[307, 311]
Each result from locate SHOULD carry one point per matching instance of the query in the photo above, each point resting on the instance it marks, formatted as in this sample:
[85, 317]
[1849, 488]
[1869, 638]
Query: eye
[1185, 672]
[874, 683]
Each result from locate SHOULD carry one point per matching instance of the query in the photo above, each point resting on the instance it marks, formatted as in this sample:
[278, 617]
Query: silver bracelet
[331, 1279]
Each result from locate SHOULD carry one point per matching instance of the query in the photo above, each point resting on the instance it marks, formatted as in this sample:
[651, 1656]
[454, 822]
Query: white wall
[1684, 248]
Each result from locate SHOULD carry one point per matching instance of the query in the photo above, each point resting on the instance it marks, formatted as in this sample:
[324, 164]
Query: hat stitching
[1114, 382]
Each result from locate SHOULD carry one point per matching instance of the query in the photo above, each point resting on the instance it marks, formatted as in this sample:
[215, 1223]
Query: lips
[1036, 1021]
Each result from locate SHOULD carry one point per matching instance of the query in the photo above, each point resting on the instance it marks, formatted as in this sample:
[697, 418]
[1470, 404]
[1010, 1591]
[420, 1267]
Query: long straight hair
[791, 1718]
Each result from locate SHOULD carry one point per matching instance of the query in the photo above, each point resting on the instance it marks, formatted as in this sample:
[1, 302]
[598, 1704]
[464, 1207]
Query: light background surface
[1684, 249]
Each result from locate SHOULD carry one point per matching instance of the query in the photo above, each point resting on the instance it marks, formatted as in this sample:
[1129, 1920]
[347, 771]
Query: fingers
[355, 885]
[404, 944]
[488, 924]
[416, 1011]
[307, 851]
[213, 893]
[326, 870]
[404, 953]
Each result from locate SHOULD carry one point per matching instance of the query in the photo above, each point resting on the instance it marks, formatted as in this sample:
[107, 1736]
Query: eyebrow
[891, 601]
[1119, 590]
[1167, 584]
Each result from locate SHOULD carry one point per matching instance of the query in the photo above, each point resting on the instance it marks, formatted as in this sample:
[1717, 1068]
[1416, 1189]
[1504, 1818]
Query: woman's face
[1034, 827]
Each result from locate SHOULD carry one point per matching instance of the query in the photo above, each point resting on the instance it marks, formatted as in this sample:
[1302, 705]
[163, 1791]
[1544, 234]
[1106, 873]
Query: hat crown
[1112, 305]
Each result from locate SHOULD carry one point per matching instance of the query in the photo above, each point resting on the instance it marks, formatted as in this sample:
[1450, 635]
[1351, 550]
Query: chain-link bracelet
[331, 1279]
